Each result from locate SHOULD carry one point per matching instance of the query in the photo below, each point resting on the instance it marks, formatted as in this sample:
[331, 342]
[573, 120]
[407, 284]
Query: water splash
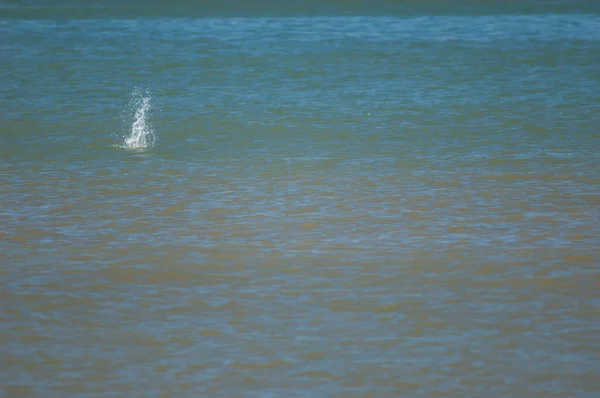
[142, 134]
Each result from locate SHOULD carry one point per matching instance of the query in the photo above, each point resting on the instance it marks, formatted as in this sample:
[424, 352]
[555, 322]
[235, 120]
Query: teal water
[300, 199]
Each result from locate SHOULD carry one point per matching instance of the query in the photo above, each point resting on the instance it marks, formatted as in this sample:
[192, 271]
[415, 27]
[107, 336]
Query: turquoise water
[300, 199]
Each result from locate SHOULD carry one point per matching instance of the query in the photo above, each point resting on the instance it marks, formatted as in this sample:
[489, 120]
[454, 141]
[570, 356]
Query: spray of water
[142, 133]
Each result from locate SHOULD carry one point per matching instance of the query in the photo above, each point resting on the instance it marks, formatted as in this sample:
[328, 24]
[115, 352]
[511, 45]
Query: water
[300, 199]
[142, 134]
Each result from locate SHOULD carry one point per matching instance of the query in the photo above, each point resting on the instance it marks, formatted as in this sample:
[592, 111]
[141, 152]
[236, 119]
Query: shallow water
[374, 204]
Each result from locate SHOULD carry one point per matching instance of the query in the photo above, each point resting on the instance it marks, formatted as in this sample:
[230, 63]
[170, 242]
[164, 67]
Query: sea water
[300, 199]
[142, 134]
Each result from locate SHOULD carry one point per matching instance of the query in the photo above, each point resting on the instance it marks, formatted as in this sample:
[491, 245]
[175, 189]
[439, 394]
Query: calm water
[300, 199]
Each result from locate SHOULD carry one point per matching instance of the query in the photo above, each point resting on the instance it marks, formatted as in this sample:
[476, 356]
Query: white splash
[142, 133]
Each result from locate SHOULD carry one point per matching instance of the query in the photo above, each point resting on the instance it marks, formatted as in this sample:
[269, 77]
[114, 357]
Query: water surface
[379, 202]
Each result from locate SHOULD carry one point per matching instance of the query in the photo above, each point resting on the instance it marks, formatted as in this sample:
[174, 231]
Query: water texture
[333, 199]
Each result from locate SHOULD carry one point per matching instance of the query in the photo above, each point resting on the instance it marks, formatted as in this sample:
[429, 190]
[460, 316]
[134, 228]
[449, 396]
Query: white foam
[142, 134]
